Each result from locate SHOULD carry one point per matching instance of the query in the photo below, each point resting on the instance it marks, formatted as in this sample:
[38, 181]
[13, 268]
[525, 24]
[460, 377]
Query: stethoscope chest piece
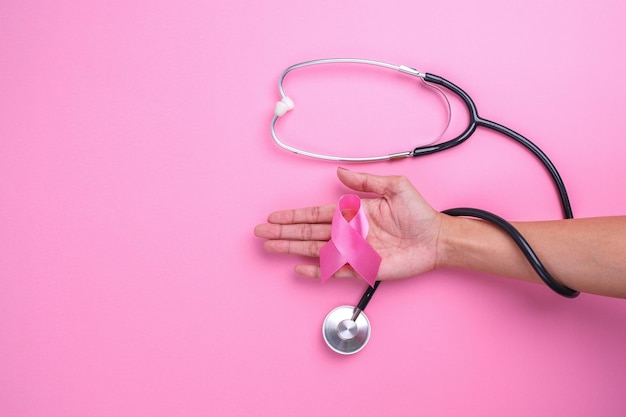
[343, 334]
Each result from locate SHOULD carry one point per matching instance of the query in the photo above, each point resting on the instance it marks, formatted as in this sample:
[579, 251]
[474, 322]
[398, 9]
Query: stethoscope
[347, 329]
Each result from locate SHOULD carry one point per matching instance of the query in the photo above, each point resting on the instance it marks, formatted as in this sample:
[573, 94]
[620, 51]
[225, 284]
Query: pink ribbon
[347, 243]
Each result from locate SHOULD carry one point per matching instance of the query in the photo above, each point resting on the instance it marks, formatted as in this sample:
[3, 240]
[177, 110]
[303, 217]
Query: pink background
[135, 160]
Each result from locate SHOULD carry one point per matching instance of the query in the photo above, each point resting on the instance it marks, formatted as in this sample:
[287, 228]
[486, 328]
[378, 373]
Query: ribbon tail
[367, 265]
[330, 260]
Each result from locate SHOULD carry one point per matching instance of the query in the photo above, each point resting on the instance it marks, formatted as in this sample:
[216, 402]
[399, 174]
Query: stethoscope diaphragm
[342, 333]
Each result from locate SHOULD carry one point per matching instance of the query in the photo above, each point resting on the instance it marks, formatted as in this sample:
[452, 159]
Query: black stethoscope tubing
[475, 121]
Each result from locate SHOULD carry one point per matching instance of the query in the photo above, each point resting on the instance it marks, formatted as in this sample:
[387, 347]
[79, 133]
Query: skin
[588, 255]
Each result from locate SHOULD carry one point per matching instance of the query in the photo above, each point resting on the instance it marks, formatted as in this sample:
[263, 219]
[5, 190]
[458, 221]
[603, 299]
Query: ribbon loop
[348, 245]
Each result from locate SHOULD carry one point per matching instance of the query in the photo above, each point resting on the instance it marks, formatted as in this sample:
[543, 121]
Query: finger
[293, 231]
[317, 214]
[361, 181]
[308, 271]
[313, 271]
[294, 247]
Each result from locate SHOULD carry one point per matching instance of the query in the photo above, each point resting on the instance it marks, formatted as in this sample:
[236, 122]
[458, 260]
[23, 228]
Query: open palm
[403, 229]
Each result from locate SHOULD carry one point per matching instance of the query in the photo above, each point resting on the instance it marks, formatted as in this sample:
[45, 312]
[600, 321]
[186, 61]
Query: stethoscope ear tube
[286, 104]
[475, 120]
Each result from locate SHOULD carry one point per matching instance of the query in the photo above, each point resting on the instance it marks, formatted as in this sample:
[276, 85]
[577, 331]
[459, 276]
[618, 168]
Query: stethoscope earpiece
[344, 333]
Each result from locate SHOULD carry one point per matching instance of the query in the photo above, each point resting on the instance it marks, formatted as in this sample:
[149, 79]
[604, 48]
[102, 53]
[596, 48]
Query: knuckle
[315, 214]
[365, 185]
[313, 249]
[398, 182]
[277, 232]
[307, 232]
[400, 179]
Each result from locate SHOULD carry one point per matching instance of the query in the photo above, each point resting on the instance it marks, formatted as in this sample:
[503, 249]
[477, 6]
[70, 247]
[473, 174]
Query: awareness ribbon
[348, 245]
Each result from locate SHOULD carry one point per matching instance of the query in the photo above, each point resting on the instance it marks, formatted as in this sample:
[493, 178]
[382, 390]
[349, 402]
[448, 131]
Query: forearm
[587, 255]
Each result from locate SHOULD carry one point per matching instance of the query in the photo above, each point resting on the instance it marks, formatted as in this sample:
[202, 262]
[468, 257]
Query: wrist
[465, 243]
[446, 241]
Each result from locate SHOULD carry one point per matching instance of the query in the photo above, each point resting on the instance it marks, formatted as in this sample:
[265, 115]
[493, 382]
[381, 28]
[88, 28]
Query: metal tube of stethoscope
[286, 104]
[356, 313]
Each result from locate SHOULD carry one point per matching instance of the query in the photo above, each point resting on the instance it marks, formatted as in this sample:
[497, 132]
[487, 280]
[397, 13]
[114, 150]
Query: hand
[404, 228]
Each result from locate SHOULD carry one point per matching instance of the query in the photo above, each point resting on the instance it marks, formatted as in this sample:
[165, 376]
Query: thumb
[370, 183]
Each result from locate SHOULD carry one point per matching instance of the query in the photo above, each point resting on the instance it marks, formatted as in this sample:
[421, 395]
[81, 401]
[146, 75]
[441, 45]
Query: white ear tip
[283, 106]
[288, 102]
